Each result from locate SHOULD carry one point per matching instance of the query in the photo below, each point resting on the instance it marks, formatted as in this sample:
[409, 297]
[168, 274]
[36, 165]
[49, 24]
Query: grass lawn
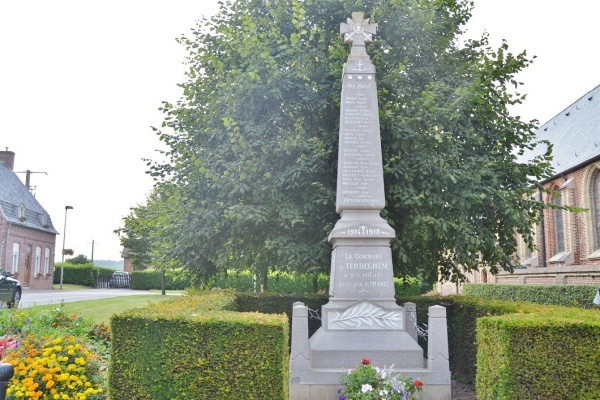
[101, 310]
[69, 286]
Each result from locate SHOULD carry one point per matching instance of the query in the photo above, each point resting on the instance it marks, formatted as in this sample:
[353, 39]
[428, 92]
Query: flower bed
[54, 355]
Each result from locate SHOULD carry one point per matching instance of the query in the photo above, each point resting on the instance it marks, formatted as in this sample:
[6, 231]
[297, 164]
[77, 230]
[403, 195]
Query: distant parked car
[120, 279]
[10, 289]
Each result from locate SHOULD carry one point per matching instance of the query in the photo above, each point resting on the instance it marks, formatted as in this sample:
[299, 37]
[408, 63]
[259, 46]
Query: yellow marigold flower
[56, 397]
[49, 384]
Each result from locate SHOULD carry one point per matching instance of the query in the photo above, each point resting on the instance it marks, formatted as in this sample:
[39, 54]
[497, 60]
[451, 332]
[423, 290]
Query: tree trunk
[263, 285]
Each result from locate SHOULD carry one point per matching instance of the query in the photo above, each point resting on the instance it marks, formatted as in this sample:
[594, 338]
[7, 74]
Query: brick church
[568, 242]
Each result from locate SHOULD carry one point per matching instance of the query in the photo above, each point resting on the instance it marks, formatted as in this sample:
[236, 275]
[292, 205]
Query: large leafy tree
[253, 140]
[145, 234]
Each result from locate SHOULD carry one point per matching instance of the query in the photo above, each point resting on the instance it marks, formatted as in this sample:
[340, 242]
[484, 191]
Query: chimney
[8, 158]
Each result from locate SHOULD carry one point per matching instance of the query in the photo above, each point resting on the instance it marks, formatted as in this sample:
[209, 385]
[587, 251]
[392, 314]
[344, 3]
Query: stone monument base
[317, 364]
[346, 349]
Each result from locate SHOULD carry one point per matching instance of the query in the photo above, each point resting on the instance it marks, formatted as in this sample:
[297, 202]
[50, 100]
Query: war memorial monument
[362, 318]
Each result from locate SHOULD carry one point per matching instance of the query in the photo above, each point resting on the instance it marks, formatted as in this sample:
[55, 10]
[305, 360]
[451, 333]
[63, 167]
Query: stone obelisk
[362, 318]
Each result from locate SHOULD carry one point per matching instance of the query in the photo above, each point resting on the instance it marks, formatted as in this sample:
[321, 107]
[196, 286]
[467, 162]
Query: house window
[38, 259]
[559, 228]
[595, 192]
[46, 261]
[15, 258]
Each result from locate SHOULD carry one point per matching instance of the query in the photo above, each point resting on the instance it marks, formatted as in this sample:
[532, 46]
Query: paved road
[41, 297]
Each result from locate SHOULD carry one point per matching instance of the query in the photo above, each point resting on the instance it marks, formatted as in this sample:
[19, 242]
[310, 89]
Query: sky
[81, 83]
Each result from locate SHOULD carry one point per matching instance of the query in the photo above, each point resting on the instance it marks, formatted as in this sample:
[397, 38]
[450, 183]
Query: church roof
[17, 204]
[574, 133]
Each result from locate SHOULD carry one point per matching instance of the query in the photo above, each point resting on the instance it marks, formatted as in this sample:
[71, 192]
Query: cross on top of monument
[358, 31]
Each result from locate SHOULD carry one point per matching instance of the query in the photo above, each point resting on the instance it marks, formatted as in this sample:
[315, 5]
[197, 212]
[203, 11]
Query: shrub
[197, 347]
[152, 279]
[561, 295]
[80, 274]
[293, 283]
[523, 356]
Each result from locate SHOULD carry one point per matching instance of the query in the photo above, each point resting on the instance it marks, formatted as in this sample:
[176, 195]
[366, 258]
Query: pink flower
[365, 361]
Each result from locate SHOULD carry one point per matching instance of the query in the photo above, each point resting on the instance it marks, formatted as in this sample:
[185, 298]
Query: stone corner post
[300, 351]
[437, 350]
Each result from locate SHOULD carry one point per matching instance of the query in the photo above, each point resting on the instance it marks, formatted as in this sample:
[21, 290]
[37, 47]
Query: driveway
[41, 297]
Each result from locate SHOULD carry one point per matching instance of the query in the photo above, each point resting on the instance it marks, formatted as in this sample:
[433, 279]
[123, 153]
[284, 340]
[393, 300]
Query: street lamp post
[62, 265]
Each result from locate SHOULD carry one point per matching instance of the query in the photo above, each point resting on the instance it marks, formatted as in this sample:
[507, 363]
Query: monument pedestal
[317, 364]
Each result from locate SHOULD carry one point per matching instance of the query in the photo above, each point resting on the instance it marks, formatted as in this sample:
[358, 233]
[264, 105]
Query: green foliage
[277, 303]
[538, 357]
[562, 295]
[290, 283]
[152, 279]
[80, 259]
[43, 323]
[243, 281]
[463, 314]
[80, 274]
[279, 282]
[356, 378]
[141, 233]
[252, 143]
[192, 347]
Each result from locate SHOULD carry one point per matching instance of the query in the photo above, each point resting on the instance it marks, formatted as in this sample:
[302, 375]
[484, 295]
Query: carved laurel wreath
[369, 315]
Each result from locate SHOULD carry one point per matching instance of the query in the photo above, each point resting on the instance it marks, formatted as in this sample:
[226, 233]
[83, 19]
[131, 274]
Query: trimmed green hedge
[152, 279]
[463, 313]
[243, 281]
[538, 357]
[292, 283]
[197, 347]
[80, 274]
[562, 295]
